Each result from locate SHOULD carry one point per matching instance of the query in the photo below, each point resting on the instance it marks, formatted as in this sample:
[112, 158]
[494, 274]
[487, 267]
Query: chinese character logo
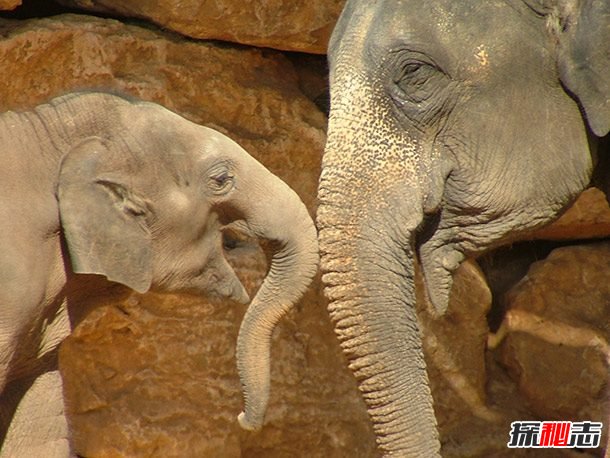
[555, 434]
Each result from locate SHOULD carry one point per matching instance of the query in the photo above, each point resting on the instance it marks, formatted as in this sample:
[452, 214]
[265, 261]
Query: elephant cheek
[229, 286]
[196, 272]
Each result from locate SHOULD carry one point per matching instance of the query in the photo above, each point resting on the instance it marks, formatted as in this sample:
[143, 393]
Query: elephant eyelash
[418, 88]
[414, 71]
[413, 82]
[222, 177]
[221, 182]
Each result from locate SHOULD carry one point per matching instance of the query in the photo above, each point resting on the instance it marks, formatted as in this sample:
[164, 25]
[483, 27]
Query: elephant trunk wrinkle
[369, 281]
[379, 358]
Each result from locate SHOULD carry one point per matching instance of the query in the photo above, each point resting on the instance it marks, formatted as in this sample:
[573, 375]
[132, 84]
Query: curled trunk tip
[248, 423]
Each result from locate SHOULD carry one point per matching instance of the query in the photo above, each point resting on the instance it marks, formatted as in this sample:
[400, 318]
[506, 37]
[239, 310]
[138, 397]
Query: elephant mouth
[238, 294]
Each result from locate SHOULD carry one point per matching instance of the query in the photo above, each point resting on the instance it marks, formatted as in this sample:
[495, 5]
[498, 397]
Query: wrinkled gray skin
[454, 126]
[135, 194]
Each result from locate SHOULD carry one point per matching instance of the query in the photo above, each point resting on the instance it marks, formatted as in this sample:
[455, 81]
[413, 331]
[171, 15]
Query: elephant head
[145, 205]
[453, 127]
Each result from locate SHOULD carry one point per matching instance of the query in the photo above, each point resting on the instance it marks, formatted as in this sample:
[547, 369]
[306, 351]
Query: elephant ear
[103, 220]
[583, 34]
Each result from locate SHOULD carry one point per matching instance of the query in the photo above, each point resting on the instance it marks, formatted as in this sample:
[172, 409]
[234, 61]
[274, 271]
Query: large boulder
[555, 337]
[587, 218]
[454, 345]
[7, 5]
[291, 25]
[157, 373]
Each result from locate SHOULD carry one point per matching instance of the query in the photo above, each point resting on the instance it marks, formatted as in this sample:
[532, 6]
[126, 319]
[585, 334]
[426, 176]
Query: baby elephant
[96, 192]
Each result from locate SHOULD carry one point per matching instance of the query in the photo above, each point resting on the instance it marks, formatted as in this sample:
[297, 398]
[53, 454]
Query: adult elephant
[98, 193]
[454, 126]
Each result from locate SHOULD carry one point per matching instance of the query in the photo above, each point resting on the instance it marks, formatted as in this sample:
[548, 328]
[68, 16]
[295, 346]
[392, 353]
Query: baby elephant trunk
[284, 221]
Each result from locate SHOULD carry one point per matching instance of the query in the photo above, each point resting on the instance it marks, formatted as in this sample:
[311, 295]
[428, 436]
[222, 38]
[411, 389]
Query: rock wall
[9, 4]
[155, 375]
[559, 322]
[292, 25]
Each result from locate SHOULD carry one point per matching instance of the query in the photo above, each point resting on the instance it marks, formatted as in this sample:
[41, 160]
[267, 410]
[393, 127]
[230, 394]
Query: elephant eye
[416, 81]
[418, 88]
[221, 181]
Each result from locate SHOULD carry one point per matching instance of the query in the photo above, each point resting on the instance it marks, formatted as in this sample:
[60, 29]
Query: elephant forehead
[212, 142]
[215, 142]
[464, 36]
[153, 123]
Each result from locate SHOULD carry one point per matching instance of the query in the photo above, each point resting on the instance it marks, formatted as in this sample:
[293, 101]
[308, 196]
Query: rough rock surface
[291, 25]
[157, 375]
[7, 5]
[588, 217]
[555, 337]
[454, 345]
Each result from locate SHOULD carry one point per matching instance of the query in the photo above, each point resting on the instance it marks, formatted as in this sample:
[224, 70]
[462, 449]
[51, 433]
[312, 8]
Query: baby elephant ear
[103, 220]
[584, 59]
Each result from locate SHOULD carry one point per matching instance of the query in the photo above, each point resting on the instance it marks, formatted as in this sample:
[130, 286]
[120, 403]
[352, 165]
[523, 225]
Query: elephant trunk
[368, 272]
[285, 221]
[376, 183]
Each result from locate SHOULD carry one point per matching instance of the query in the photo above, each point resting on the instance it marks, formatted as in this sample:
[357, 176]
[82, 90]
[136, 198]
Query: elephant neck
[33, 144]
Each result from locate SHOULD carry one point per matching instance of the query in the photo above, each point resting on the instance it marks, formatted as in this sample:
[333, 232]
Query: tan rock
[455, 342]
[587, 218]
[8, 5]
[555, 336]
[454, 345]
[291, 25]
[156, 375]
